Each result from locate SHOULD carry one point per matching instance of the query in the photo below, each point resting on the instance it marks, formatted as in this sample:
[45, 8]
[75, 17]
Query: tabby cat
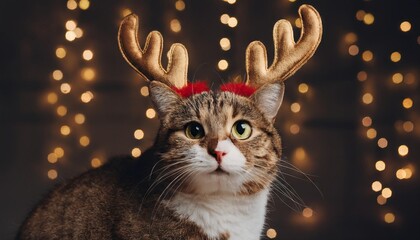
[210, 170]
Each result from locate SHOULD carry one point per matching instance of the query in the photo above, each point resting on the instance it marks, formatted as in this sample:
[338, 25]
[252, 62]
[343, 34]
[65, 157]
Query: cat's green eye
[194, 130]
[241, 130]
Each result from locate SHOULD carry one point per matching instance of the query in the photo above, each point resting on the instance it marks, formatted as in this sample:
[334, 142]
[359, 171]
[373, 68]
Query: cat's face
[218, 142]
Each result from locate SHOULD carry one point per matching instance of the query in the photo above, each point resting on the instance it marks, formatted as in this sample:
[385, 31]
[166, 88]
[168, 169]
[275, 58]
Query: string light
[303, 88]
[294, 129]
[408, 126]
[84, 141]
[371, 133]
[136, 152]
[70, 36]
[138, 134]
[225, 44]
[150, 113]
[84, 4]
[403, 150]
[367, 121]
[395, 56]
[57, 75]
[381, 200]
[397, 78]
[52, 158]
[86, 97]
[298, 23]
[223, 64]
[307, 212]
[87, 55]
[367, 56]
[88, 74]
[382, 142]
[380, 165]
[52, 174]
[79, 118]
[362, 76]
[367, 98]
[71, 25]
[59, 152]
[95, 162]
[232, 22]
[271, 233]
[52, 98]
[175, 25]
[65, 88]
[407, 103]
[376, 186]
[405, 26]
[389, 217]
[360, 14]
[295, 107]
[224, 18]
[144, 91]
[61, 111]
[180, 5]
[71, 4]
[386, 192]
[353, 50]
[60, 52]
[65, 130]
[368, 18]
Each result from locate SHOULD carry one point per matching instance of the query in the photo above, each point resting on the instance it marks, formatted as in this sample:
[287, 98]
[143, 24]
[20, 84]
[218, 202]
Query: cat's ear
[268, 99]
[163, 97]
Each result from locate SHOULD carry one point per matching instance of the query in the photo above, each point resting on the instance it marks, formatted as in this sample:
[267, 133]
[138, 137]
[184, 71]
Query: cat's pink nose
[219, 155]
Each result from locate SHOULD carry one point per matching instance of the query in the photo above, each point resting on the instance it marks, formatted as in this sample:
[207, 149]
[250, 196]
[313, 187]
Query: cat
[211, 168]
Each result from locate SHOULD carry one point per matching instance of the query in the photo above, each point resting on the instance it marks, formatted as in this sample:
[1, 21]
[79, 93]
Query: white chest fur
[240, 216]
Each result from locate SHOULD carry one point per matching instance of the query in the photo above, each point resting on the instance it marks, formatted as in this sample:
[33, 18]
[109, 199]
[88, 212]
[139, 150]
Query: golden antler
[288, 55]
[147, 62]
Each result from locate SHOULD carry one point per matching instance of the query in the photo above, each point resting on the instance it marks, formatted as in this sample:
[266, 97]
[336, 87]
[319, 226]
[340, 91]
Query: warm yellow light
[295, 107]
[368, 19]
[224, 18]
[61, 111]
[71, 4]
[395, 56]
[52, 174]
[307, 212]
[362, 76]
[231, 1]
[175, 25]
[57, 75]
[382, 142]
[389, 218]
[52, 158]
[87, 55]
[60, 52]
[87, 96]
[407, 103]
[408, 126]
[367, 121]
[225, 44]
[84, 141]
[88, 74]
[150, 113]
[360, 15]
[138, 134]
[95, 162]
[405, 26]
[381, 200]
[367, 98]
[223, 65]
[79, 118]
[298, 23]
[70, 36]
[144, 91]
[78, 32]
[136, 152]
[350, 38]
[408, 173]
[367, 56]
[180, 5]
[401, 174]
[299, 154]
[403, 150]
[292, 0]
[397, 78]
[353, 50]
[303, 88]
[52, 98]
[84, 4]
[65, 130]
[65, 88]
[386, 192]
[232, 22]
[271, 233]
[71, 25]
[371, 133]
[59, 151]
[380, 165]
[294, 129]
[376, 186]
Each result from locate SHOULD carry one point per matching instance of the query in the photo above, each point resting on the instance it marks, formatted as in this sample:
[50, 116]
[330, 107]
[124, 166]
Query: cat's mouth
[219, 171]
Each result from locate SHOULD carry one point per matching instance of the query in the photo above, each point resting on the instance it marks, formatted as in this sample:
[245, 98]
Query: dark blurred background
[350, 119]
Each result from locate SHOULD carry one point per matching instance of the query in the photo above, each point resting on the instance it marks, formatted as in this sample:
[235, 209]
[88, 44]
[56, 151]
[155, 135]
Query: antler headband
[288, 55]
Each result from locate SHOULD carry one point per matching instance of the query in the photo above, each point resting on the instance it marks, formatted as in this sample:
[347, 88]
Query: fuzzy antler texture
[147, 61]
[288, 55]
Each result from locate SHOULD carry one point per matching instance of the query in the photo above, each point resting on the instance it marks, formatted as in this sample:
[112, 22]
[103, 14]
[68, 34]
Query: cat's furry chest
[237, 217]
